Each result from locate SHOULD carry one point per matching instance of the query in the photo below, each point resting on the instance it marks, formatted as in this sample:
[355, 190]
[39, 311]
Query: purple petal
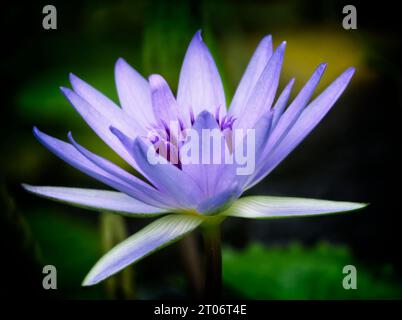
[166, 177]
[296, 107]
[209, 161]
[309, 118]
[220, 201]
[200, 85]
[262, 131]
[263, 207]
[70, 154]
[146, 192]
[100, 124]
[163, 101]
[280, 104]
[134, 93]
[125, 141]
[250, 77]
[106, 107]
[156, 235]
[98, 200]
[263, 94]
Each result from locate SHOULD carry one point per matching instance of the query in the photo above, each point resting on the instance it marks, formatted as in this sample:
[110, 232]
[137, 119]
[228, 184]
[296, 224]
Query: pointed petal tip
[156, 80]
[122, 67]
[66, 91]
[70, 137]
[37, 133]
[350, 71]
[119, 135]
[267, 37]
[281, 48]
[197, 38]
[76, 82]
[29, 188]
[323, 65]
[26, 187]
[120, 62]
[154, 76]
[198, 34]
[72, 77]
[205, 114]
[318, 72]
[266, 42]
[114, 130]
[284, 207]
[89, 281]
[347, 75]
[361, 205]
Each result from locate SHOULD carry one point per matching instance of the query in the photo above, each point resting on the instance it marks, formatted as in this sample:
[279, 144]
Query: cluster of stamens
[167, 139]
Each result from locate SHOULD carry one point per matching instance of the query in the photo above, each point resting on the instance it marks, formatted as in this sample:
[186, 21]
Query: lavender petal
[165, 176]
[70, 154]
[200, 85]
[146, 192]
[265, 207]
[148, 240]
[263, 93]
[307, 121]
[98, 200]
[134, 93]
[250, 77]
[164, 103]
[100, 124]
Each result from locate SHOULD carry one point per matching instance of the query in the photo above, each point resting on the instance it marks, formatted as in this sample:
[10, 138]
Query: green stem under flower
[213, 261]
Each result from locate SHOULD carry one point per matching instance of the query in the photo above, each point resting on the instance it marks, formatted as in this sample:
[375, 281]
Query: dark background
[352, 155]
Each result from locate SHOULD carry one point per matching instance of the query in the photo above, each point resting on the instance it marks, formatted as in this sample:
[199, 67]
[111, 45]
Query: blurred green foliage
[72, 245]
[298, 272]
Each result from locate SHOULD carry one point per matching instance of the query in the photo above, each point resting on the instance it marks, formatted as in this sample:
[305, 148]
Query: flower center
[168, 138]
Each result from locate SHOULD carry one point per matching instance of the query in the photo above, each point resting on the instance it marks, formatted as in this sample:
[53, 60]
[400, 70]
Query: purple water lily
[189, 195]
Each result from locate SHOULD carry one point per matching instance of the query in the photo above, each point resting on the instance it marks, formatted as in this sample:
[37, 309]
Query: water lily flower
[189, 195]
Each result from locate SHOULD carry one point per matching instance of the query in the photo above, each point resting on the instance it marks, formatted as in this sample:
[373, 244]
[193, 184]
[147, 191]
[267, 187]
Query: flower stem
[191, 259]
[213, 261]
